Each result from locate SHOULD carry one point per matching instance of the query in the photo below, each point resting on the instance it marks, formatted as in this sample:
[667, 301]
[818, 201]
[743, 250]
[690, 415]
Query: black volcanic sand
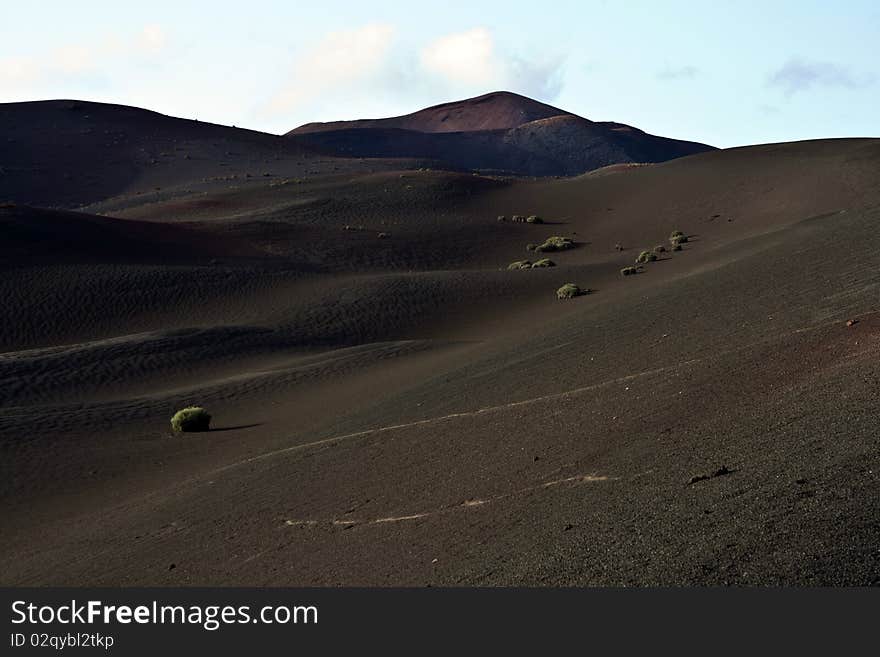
[404, 410]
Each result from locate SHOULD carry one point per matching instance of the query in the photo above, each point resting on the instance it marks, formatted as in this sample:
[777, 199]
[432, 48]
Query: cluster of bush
[521, 219]
[570, 291]
[551, 244]
[527, 264]
[676, 239]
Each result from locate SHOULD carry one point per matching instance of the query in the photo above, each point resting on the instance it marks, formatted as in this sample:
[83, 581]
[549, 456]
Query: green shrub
[534, 219]
[544, 262]
[555, 243]
[570, 291]
[191, 418]
[520, 264]
[646, 256]
[674, 234]
[629, 271]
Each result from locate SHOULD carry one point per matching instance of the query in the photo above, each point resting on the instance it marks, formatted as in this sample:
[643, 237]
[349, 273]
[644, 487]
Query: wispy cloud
[470, 61]
[680, 73]
[340, 60]
[77, 61]
[371, 68]
[799, 74]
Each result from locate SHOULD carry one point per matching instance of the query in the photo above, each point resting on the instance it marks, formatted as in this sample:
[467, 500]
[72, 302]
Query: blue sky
[722, 72]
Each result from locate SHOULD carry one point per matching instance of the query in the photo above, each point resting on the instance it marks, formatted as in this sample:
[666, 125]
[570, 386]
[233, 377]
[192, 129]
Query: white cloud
[18, 70]
[26, 76]
[369, 71]
[71, 60]
[338, 60]
[470, 62]
[152, 38]
[466, 58]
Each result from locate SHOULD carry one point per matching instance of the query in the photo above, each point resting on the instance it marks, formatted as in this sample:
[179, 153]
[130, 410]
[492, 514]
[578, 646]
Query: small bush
[191, 418]
[519, 264]
[675, 233]
[659, 249]
[555, 243]
[681, 239]
[570, 291]
[531, 247]
[544, 262]
[629, 271]
[646, 256]
[676, 247]
[534, 219]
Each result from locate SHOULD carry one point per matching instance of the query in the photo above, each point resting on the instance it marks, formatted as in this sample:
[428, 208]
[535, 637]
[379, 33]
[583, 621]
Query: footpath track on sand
[525, 402]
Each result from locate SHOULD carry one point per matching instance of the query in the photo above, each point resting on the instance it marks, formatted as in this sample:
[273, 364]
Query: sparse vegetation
[629, 271]
[543, 262]
[191, 418]
[555, 243]
[520, 264]
[646, 256]
[677, 237]
[521, 219]
[570, 291]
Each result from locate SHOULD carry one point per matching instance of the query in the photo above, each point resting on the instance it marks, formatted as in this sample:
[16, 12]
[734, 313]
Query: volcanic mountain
[499, 131]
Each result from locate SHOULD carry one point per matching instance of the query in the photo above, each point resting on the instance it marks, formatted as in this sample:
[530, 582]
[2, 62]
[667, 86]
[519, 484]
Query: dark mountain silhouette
[500, 131]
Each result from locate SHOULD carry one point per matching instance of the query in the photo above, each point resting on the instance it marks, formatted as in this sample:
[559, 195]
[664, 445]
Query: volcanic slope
[496, 132]
[405, 410]
[70, 153]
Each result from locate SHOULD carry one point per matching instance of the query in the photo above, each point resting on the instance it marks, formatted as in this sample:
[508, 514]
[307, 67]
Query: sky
[723, 72]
